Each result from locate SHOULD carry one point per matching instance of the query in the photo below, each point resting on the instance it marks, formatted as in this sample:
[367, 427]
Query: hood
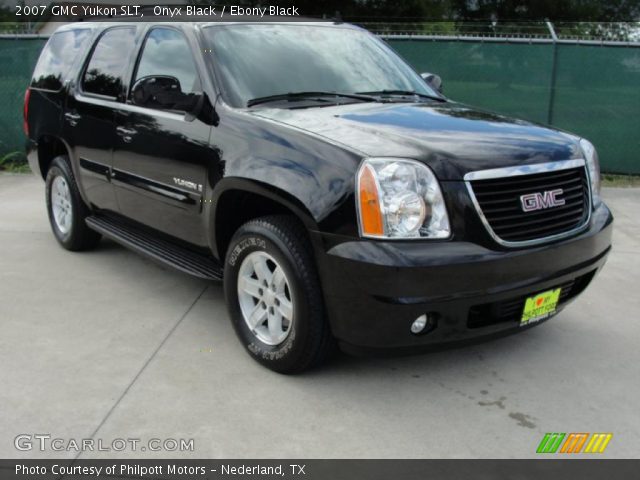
[451, 138]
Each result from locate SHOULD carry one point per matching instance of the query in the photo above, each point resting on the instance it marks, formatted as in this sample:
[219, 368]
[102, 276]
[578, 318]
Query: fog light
[426, 323]
[418, 324]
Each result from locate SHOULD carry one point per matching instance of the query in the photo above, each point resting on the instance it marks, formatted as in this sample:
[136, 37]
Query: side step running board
[156, 249]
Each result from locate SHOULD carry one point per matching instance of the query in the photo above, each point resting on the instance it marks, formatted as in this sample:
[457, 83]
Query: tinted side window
[57, 57]
[108, 62]
[167, 53]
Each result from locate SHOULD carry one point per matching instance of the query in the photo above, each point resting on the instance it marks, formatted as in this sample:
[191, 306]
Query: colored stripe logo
[598, 443]
[550, 442]
[574, 443]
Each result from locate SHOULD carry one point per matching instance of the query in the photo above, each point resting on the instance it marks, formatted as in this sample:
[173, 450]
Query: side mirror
[163, 92]
[433, 80]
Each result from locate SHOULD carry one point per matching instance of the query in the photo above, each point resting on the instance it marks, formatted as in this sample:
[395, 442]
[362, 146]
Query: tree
[554, 10]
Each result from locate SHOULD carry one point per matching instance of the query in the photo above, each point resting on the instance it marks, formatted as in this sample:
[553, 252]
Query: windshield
[257, 61]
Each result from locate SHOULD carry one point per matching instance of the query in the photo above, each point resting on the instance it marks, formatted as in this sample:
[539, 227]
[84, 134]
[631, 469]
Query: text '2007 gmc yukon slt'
[338, 194]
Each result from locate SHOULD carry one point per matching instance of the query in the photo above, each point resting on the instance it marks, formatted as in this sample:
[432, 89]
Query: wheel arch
[235, 201]
[50, 147]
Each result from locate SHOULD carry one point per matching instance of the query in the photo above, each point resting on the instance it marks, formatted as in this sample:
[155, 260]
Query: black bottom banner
[584, 469]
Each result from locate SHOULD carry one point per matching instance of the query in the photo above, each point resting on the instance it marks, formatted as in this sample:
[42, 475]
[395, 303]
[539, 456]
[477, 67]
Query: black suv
[341, 196]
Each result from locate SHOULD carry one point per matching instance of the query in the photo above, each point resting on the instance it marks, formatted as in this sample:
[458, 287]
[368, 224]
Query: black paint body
[304, 160]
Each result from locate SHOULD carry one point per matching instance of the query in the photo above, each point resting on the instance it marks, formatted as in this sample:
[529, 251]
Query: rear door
[47, 94]
[88, 120]
[161, 155]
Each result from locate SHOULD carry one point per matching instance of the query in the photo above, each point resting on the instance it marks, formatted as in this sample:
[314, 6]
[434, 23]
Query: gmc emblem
[540, 201]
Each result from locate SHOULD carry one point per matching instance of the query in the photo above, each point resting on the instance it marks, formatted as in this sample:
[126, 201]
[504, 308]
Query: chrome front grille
[532, 204]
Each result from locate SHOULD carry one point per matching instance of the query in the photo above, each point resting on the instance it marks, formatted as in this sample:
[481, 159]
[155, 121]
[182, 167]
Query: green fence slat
[598, 97]
[18, 57]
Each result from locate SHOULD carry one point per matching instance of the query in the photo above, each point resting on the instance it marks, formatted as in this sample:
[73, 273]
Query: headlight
[593, 165]
[400, 199]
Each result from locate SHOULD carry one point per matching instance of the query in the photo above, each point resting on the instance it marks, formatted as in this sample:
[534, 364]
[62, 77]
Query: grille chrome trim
[528, 170]
[523, 170]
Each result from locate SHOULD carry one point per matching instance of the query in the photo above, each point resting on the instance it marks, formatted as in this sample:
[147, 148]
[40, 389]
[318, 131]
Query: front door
[161, 154]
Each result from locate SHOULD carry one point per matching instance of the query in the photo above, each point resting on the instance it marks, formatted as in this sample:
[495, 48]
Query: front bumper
[374, 290]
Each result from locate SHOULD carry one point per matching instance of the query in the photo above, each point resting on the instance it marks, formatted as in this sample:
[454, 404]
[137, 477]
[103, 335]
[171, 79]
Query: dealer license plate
[540, 306]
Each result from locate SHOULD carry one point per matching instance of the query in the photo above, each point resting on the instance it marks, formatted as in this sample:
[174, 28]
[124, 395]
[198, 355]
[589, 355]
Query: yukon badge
[187, 184]
[540, 201]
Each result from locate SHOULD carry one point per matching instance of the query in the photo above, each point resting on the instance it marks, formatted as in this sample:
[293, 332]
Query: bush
[14, 162]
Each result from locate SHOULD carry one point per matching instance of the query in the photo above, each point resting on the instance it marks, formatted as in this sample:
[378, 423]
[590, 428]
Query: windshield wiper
[405, 93]
[317, 96]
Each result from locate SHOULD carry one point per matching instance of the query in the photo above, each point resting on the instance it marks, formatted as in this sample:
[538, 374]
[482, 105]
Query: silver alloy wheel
[61, 204]
[265, 298]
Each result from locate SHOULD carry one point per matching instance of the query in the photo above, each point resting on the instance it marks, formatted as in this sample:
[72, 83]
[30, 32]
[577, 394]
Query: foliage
[585, 19]
[625, 181]
[554, 10]
[461, 10]
[14, 162]
[7, 21]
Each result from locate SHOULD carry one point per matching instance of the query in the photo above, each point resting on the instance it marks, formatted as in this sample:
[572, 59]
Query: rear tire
[274, 297]
[66, 209]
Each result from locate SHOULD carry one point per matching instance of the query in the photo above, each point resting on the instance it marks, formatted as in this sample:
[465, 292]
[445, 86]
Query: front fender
[308, 174]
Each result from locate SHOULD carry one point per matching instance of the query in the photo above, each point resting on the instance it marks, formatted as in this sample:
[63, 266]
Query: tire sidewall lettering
[249, 242]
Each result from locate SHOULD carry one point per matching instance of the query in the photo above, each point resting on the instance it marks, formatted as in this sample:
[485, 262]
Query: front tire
[66, 209]
[273, 295]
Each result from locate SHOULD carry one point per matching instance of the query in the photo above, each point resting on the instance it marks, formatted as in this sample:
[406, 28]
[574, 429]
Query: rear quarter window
[57, 58]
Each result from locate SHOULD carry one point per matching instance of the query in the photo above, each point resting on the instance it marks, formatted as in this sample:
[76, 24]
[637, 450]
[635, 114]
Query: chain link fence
[539, 30]
[588, 85]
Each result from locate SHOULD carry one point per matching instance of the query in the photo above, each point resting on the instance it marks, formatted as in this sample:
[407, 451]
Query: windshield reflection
[262, 60]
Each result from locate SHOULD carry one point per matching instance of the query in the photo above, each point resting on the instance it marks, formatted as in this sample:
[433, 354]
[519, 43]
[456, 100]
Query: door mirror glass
[433, 80]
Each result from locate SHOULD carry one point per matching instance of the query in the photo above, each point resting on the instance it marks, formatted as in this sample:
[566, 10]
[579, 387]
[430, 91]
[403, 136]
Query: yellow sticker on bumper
[540, 306]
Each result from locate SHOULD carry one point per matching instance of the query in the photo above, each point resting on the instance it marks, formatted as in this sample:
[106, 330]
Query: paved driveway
[108, 345]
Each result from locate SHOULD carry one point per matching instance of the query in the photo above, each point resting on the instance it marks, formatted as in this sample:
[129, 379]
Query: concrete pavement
[107, 345]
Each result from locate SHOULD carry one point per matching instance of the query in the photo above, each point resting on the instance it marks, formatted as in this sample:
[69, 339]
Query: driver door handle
[127, 134]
